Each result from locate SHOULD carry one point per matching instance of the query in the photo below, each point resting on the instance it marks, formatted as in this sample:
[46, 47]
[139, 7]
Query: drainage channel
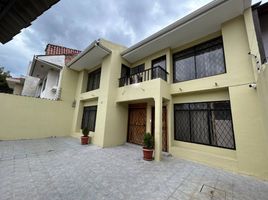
[213, 192]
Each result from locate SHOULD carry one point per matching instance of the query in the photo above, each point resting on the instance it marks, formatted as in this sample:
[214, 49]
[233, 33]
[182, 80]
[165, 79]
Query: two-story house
[193, 85]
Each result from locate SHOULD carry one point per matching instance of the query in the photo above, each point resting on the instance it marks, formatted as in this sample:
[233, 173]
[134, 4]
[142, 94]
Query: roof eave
[35, 59]
[174, 25]
[94, 44]
[50, 64]
[187, 19]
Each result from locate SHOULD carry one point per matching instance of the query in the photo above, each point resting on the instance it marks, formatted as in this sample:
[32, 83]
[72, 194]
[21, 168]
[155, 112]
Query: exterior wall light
[74, 104]
[253, 85]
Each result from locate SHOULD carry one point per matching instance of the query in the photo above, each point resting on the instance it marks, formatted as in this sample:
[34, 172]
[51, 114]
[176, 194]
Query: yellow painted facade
[250, 156]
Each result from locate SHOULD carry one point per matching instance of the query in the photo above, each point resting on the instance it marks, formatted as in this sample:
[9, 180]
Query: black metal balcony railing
[146, 75]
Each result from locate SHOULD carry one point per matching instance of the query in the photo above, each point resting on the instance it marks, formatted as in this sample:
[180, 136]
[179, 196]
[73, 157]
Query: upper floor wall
[226, 50]
[218, 60]
[96, 75]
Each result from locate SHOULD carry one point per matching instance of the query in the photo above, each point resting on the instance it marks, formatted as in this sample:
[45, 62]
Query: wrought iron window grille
[208, 123]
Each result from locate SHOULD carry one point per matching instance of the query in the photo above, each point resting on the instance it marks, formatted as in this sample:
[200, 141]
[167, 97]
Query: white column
[158, 128]
[78, 112]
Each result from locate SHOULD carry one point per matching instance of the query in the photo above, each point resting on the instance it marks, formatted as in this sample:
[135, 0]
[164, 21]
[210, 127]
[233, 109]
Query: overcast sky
[76, 24]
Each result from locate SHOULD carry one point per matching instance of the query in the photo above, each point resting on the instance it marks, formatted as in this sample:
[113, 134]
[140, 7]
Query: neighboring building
[44, 72]
[16, 84]
[30, 86]
[192, 85]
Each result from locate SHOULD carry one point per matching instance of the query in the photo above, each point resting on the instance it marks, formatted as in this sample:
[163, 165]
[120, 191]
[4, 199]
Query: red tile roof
[52, 49]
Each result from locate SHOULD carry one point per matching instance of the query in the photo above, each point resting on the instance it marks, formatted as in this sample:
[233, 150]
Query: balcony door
[159, 68]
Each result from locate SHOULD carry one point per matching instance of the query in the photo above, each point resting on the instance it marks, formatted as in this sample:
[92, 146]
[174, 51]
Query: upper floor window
[136, 74]
[260, 18]
[159, 68]
[137, 69]
[125, 71]
[131, 75]
[203, 60]
[94, 80]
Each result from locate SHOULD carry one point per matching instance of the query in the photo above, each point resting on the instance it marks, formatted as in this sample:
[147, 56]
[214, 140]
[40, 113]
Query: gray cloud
[76, 24]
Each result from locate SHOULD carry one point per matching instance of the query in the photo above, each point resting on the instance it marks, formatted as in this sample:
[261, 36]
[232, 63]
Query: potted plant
[148, 148]
[85, 139]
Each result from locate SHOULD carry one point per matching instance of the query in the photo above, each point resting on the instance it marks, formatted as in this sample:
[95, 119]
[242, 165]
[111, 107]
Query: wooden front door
[164, 127]
[136, 123]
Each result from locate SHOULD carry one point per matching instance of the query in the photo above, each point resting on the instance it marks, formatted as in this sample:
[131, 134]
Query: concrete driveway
[60, 168]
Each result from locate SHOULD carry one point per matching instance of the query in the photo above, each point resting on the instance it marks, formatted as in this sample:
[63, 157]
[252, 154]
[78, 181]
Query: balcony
[146, 75]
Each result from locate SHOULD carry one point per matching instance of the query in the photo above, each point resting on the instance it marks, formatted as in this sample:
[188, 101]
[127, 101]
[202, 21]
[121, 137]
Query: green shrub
[148, 141]
[85, 131]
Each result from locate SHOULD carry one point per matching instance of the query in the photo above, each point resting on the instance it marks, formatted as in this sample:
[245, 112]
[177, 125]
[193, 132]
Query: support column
[158, 129]
[78, 115]
[78, 112]
[170, 124]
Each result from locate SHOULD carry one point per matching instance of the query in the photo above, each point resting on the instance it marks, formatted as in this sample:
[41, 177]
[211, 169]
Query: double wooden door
[136, 123]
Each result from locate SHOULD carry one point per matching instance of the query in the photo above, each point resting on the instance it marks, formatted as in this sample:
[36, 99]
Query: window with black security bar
[94, 80]
[208, 123]
[203, 60]
[89, 118]
[159, 68]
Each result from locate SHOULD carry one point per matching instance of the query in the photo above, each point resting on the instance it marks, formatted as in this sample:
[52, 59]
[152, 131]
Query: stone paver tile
[180, 195]
[60, 168]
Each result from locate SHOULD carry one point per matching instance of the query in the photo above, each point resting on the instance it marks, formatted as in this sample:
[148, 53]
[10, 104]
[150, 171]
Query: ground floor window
[89, 117]
[208, 123]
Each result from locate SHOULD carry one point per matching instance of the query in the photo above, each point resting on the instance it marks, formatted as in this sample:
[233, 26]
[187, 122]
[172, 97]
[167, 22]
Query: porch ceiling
[40, 68]
[90, 57]
[149, 101]
[200, 23]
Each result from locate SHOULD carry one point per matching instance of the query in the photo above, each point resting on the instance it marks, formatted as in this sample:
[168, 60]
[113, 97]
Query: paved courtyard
[60, 168]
